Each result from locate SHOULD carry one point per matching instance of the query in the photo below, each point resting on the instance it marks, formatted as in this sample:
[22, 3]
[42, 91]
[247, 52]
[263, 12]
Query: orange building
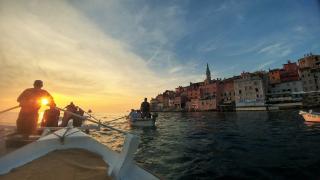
[290, 72]
[274, 76]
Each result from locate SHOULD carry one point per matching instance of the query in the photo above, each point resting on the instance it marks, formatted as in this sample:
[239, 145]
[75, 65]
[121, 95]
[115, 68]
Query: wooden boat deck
[64, 165]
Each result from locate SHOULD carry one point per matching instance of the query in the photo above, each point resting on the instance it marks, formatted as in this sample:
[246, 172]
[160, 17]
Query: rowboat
[310, 116]
[119, 165]
[142, 122]
[54, 147]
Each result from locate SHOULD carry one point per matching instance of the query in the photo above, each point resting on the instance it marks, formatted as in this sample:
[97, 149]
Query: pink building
[290, 72]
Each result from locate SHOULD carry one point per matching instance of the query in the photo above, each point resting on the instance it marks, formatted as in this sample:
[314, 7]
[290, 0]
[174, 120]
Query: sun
[44, 101]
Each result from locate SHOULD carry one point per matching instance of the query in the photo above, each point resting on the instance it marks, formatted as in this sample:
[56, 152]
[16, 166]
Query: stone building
[309, 61]
[210, 93]
[285, 92]
[193, 91]
[250, 91]
[309, 70]
[227, 102]
[310, 78]
[155, 105]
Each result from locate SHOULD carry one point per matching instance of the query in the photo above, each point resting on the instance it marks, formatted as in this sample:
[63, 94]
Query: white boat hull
[121, 165]
[139, 122]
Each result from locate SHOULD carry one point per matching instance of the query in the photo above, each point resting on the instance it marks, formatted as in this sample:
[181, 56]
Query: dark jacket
[145, 107]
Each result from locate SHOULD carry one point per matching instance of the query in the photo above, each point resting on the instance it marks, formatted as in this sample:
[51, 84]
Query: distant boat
[142, 122]
[310, 116]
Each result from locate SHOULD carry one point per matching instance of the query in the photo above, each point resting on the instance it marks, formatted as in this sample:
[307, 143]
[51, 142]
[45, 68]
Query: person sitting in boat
[77, 121]
[30, 101]
[138, 114]
[145, 108]
[51, 117]
[66, 115]
[132, 113]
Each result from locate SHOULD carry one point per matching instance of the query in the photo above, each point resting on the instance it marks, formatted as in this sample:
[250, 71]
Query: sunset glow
[44, 101]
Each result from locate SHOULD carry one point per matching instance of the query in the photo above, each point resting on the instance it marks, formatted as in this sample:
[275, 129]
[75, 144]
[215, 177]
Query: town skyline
[228, 77]
[90, 53]
[294, 85]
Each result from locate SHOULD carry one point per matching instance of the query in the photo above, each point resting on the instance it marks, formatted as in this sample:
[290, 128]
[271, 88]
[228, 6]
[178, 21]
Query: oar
[90, 120]
[6, 110]
[105, 121]
[92, 116]
[115, 119]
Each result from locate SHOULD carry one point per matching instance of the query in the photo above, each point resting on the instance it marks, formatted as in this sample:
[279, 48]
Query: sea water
[215, 145]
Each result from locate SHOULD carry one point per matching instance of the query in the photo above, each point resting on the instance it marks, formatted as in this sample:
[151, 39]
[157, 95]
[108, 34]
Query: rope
[61, 138]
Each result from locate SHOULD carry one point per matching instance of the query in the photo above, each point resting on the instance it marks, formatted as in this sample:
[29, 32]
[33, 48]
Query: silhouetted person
[51, 117]
[77, 121]
[66, 115]
[30, 102]
[145, 108]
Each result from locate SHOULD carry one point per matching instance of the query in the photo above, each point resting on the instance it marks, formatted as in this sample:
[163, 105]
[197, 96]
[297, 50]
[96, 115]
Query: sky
[107, 55]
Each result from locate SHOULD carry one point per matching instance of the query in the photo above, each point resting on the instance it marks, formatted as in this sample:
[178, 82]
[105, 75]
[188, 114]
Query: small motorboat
[142, 122]
[310, 116]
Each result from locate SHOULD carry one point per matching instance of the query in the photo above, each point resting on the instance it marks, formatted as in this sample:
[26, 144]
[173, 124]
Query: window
[257, 90]
[239, 91]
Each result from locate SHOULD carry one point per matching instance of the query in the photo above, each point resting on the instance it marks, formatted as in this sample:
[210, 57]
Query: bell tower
[208, 73]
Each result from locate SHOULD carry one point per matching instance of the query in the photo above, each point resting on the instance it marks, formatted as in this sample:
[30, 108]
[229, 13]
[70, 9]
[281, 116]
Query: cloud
[80, 58]
[264, 65]
[53, 41]
[279, 49]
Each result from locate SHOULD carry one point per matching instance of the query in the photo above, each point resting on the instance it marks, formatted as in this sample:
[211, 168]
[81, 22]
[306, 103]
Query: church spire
[208, 73]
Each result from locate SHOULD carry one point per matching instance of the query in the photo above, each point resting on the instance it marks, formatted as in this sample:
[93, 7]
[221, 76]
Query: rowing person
[67, 116]
[30, 102]
[51, 117]
[77, 121]
[145, 108]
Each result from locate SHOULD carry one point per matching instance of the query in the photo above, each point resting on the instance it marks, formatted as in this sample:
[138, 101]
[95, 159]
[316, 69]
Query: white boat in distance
[142, 122]
[119, 165]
